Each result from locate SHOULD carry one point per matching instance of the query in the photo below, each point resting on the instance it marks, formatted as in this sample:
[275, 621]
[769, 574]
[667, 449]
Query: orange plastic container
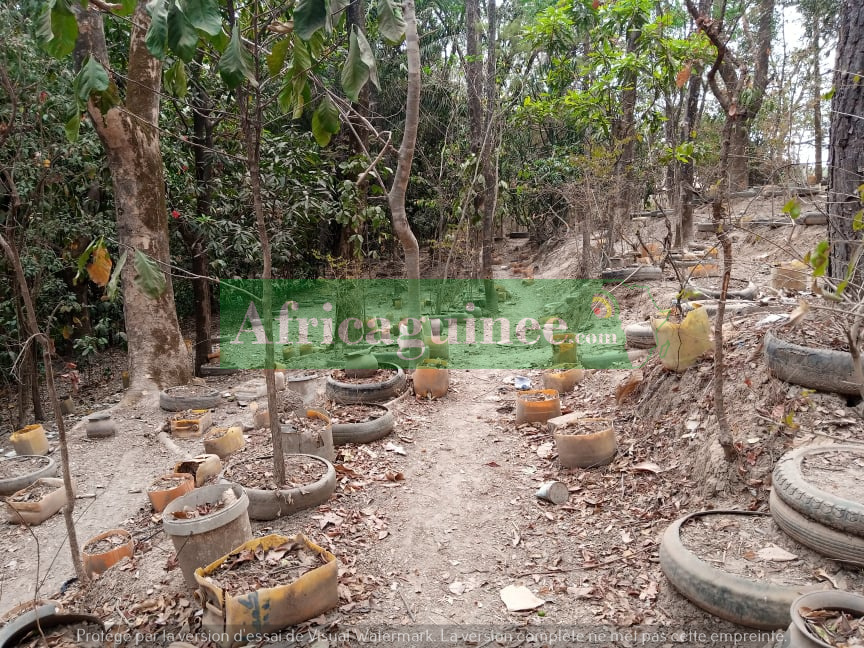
[98, 563]
[431, 381]
[537, 411]
[584, 442]
[563, 381]
[161, 497]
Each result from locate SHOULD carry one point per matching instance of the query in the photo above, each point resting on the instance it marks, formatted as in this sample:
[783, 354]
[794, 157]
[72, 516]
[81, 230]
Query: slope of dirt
[430, 524]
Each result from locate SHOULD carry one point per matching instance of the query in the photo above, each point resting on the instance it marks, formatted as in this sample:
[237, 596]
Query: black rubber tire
[12, 485]
[269, 505]
[706, 227]
[208, 399]
[364, 432]
[773, 223]
[215, 370]
[349, 394]
[818, 505]
[819, 369]
[45, 618]
[703, 292]
[749, 603]
[639, 336]
[637, 273]
[820, 538]
[813, 218]
[518, 235]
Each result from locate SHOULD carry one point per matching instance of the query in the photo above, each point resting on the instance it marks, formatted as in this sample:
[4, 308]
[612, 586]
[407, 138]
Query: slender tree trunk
[251, 116]
[489, 162]
[738, 165]
[396, 196]
[157, 354]
[30, 326]
[846, 152]
[817, 105]
[687, 169]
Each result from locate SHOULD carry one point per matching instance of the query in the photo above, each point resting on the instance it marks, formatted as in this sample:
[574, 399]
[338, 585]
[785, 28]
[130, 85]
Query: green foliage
[236, 63]
[149, 278]
[325, 122]
[359, 67]
[57, 28]
[175, 81]
[310, 16]
[390, 23]
[792, 208]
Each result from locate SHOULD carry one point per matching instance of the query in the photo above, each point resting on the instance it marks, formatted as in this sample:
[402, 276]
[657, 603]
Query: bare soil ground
[430, 524]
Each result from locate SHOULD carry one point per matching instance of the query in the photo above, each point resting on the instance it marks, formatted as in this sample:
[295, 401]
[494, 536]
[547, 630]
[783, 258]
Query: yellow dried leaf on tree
[683, 76]
[99, 267]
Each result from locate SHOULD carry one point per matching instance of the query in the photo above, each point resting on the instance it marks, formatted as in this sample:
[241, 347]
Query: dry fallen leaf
[797, 315]
[775, 553]
[647, 466]
[519, 598]
[99, 268]
[626, 388]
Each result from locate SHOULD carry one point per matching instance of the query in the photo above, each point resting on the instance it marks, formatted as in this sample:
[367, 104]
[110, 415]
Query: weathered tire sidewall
[12, 485]
[633, 273]
[268, 505]
[819, 369]
[639, 336]
[756, 605]
[351, 394]
[818, 537]
[818, 505]
[173, 403]
[749, 293]
[364, 432]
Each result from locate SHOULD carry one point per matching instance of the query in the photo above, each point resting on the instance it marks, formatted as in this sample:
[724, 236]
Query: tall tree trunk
[193, 238]
[817, 104]
[130, 135]
[489, 163]
[688, 170]
[846, 151]
[739, 138]
[396, 196]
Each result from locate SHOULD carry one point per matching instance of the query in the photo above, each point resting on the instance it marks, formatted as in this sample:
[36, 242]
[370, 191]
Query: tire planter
[820, 369]
[271, 609]
[639, 336]
[200, 541]
[44, 617]
[638, 273]
[749, 603]
[98, 563]
[30, 440]
[211, 369]
[704, 292]
[162, 497]
[272, 504]
[820, 538]
[9, 485]
[349, 393]
[34, 513]
[821, 506]
[798, 636]
[365, 432]
[583, 450]
[172, 401]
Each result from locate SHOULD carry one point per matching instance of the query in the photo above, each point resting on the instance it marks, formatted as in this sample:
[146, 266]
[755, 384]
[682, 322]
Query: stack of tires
[828, 523]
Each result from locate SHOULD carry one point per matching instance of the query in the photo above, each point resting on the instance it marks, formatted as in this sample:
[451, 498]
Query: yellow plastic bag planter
[229, 619]
[680, 344]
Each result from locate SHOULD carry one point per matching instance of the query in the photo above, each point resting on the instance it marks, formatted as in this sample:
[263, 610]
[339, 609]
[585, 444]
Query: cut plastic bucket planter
[681, 344]
[223, 441]
[563, 380]
[96, 563]
[166, 488]
[431, 381]
[230, 618]
[37, 511]
[537, 405]
[30, 440]
[317, 441]
[200, 540]
[583, 442]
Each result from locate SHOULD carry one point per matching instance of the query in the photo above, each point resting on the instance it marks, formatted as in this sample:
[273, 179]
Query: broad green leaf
[842, 286]
[368, 57]
[73, 125]
[182, 35]
[819, 259]
[176, 81]
[861, 192]
[85, 257]
[236, 63]
[828, 95]
[277, 55]
[111, 290]
[355, 72]
[204, 15]
[91, 79]
[325, 122]
[390, 24]
[149, 278]
[310, 16]
[792, 208]
[57, 29]
[127, 7]
[157, 33]
[858, 221]
[301, 61]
